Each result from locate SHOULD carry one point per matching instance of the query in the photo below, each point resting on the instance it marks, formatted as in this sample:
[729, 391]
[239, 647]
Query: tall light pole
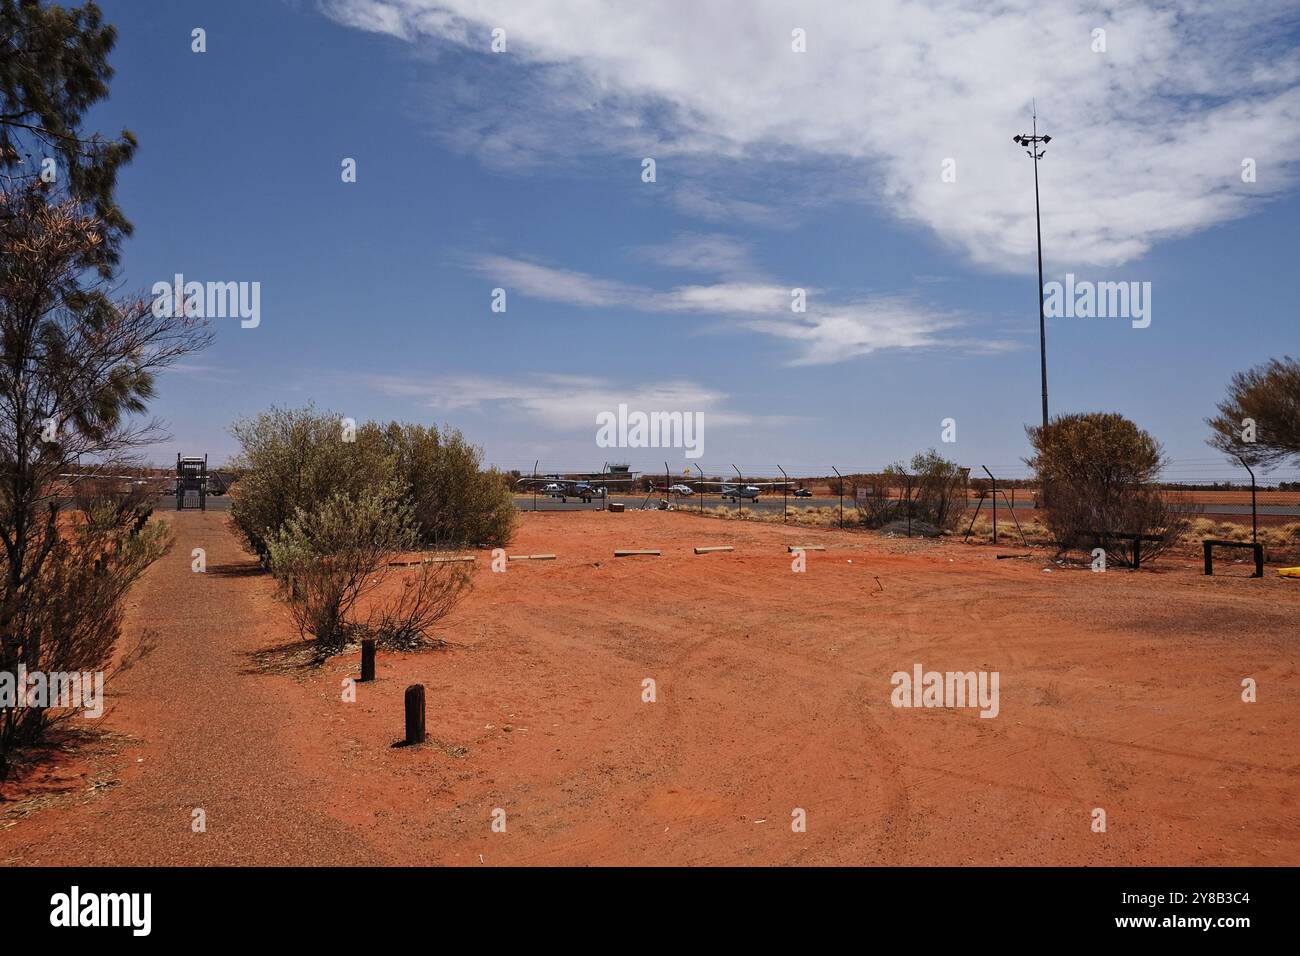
[1032, 141]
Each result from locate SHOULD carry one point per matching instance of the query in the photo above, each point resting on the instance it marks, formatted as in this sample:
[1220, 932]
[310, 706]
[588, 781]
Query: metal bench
[1209, 543]
[1137, 540]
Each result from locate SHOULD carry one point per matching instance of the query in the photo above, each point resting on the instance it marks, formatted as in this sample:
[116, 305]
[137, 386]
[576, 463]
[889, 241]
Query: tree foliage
[53, 68]
[1100, 472]
[76, 367]
[1266, 397]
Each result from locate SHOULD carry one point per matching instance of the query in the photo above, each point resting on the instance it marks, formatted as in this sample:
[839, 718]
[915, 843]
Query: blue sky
[819, 170]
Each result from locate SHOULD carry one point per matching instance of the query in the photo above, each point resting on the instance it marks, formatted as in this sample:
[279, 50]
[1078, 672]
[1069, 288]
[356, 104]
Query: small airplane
[750, 491]
[585, 487]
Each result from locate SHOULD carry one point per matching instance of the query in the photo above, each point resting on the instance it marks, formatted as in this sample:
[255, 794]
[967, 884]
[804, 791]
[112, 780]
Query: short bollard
[415, 714]
[367, 659]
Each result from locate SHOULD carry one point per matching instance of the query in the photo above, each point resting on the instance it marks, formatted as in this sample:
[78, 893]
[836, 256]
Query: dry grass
[1277, 540]
[1282, 538]
[982, 531]
[807, 517]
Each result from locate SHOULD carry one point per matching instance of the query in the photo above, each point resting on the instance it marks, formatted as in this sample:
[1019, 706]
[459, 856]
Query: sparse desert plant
[1099, 471]
[332, 556]
[1035, 532]
[429, 592]
[70, 616]
[931, 490]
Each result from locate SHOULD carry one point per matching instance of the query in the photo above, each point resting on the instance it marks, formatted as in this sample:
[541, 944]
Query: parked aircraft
[584, 487]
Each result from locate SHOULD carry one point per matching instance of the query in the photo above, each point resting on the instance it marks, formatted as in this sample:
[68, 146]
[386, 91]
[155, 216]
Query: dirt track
[1118, 690]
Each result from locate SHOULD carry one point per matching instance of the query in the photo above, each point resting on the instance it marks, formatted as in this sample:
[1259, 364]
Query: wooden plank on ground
[458, 559]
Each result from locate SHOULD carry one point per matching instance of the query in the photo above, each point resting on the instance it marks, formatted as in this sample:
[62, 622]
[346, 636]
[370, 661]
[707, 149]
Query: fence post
[368, 659]
[1209, 561]
[415, 714]
[995, 501]
[785, 494]
[841, 478]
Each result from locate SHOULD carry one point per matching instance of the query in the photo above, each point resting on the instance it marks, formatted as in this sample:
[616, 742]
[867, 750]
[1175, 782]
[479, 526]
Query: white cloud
[828, 331]
[565, 402]
[712, 253]
[1148, 136]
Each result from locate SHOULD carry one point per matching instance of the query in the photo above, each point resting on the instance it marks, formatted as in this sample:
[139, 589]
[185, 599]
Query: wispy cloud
[828, 331]
[564, 402]
[1149, 134]
[712, 253]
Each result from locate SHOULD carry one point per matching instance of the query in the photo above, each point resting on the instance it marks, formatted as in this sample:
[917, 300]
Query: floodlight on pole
[1033, 143]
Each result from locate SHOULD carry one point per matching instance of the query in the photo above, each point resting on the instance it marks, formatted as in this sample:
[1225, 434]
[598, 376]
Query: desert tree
[76, 370]
[1259, 419]
[53, 68]
[1103, 471]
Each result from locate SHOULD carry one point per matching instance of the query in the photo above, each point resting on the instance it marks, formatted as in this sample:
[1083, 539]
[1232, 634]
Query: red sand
[1118, 690]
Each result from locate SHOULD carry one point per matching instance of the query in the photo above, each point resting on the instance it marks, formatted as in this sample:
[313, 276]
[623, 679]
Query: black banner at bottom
[337, 905]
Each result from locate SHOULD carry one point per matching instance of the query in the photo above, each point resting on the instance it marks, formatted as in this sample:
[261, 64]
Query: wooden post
[415, 714]
[1209, 561]
[367, 659]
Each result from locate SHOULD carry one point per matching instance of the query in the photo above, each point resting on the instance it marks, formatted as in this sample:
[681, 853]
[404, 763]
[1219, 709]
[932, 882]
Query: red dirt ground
[1118, 690]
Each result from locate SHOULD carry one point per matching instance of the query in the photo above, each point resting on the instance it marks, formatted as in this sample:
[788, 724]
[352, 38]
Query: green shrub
[292, 458]
[456, 502]
[295, 458]
[1099, 473]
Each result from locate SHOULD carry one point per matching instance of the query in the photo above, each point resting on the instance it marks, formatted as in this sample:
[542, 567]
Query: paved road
[769, 503]
[766, 503]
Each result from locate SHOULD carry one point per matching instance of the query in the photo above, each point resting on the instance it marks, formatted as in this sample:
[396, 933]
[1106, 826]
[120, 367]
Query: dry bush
[70, 617]
[931, 491]
[1100, 475]
[457, 503]
[295, 458]
[298, 458]
[329, 558]
[1035, 532]
[426, 598]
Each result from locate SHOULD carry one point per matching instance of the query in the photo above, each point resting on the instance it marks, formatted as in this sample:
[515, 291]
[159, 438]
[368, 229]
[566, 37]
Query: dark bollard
[367, 659]
[415, 714]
